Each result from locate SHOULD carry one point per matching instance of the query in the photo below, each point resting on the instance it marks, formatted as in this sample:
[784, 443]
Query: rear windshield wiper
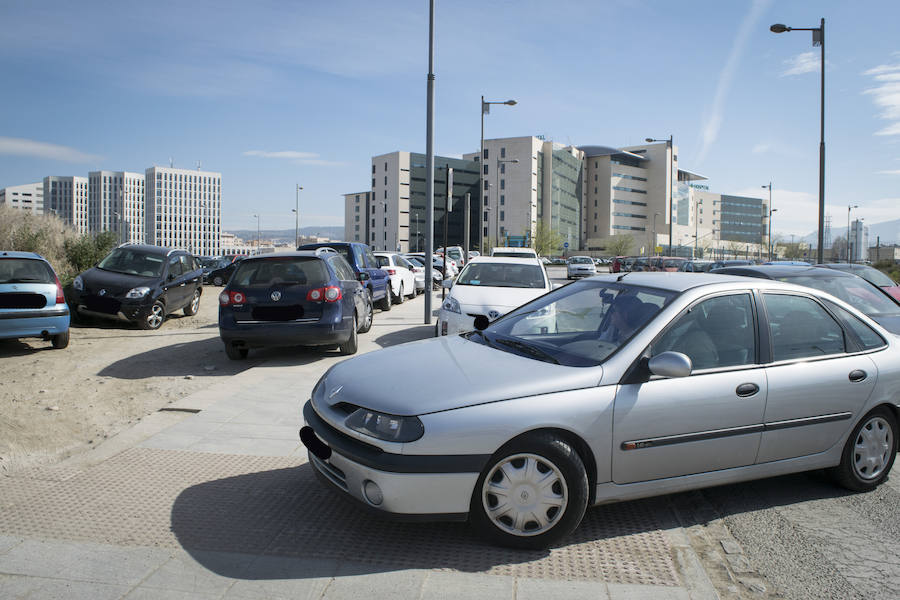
[530, 350]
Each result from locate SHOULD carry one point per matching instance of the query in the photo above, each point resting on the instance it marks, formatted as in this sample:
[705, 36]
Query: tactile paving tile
[276, 506]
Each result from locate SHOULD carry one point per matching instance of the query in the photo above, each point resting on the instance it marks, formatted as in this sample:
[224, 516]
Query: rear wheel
[385, 303]
[217, 280]
[869, 452]
[60, 340]
[352, 344]
[400, 297]
[367, 316]
[235, 353]
[193, 306]
[532, 493]
[154, 317]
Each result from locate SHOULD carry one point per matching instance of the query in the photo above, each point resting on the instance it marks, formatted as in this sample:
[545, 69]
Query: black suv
[140, 283]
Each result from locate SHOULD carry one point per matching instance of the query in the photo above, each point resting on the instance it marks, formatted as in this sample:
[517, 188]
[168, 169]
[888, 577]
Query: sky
[278, 93]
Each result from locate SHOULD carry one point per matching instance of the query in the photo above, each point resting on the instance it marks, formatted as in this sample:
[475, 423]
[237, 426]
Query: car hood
[98, 278]
[505, 298]
[470, 374]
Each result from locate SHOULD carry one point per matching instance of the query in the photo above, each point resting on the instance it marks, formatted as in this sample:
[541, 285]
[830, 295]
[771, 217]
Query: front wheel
[193, 306]
[869, 452]
[235, 353]
[154, 317]
[532, 494]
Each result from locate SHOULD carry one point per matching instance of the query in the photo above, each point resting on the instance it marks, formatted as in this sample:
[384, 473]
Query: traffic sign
[566, 245]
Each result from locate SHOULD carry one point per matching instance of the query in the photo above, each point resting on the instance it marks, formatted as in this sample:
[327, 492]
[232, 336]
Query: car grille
[277, 313]
[100, 304]
[22, 300]
[335, 475]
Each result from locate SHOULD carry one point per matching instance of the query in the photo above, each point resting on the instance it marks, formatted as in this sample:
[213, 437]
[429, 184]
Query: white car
[513, 251]
[490, 287]
[418, 269]
[580, 266]
[403, 282]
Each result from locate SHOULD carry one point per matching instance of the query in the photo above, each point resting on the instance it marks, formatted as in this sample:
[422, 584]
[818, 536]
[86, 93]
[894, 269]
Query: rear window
[283, 271]
[855, 291]
[503, 254]
[25, 270]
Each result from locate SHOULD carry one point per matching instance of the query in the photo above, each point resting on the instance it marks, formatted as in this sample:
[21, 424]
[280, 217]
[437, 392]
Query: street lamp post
[653, 241]
[769, 244]
[297, 219]
[485, 109]
[670, 146]
[497, 216]
[257, 233]
[849, 208]
[818, 39]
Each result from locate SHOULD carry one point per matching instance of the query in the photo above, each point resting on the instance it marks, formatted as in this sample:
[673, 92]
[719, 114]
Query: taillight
[60, 297]
[226, 298]
[391, 271]
[329, 294]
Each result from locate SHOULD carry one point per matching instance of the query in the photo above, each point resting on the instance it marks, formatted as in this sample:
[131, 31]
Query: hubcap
[871, 450]
[154, 319]
[195, 302]
[525, 495]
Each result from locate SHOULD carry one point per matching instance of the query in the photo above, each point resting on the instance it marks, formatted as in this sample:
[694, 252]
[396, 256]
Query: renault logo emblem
[276, 296]
[493, 314]
[101, 293]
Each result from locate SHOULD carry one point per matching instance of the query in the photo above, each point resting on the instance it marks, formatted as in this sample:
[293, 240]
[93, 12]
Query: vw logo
[276, 296]
[493, 314]
[101, 293]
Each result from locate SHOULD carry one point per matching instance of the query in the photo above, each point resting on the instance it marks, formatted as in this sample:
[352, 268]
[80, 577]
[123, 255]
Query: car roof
[292, 254]
[18, 254]
[680, 282]
[510, 260]
[150, 249]
[777, 271]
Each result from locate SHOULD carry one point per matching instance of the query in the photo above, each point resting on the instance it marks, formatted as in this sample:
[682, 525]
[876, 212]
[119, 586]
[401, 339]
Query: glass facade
[740, 219]
[566, 200]
[465, 180]
[681, 201]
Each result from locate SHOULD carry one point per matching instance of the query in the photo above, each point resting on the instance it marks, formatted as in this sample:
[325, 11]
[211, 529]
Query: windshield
[580, 260]
[578, 325]
[133, 262]
[855, 291]
[502, 275]
[281, 271]
[25, 270]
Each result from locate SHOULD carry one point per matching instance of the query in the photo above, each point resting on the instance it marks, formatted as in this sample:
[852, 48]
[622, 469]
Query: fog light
[372, 492]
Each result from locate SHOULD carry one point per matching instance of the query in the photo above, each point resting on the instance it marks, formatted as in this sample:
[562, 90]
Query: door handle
[857, 375]
[746, 389]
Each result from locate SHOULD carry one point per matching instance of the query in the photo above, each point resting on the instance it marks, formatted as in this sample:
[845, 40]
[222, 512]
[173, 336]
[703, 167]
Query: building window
[502, 152]
[385, 180]
[485, 215]
[357, 208]
[485, 185]
[484, 168]
[385, 193]
[502, 184]
[373, 169]
[485, 154]
[502, 215]
[485, 232]
[502, 199]
[502, 168]
[385, 166]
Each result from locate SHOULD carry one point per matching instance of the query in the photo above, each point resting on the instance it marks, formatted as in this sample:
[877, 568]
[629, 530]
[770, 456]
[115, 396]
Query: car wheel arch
[577, 443]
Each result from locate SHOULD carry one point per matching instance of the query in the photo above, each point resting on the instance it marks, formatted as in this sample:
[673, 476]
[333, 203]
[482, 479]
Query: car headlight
[138, 292]
[78, 284]
[389, 428]
[451, 304]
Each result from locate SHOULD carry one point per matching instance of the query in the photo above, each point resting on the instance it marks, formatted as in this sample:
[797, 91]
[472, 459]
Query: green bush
[889, 268]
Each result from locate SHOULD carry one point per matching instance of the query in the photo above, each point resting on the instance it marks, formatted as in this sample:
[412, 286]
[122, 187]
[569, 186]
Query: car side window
[868, 337]
[715, 333]
[342, 269]
[187, 263]
[801, 328]
[359, 256]
[370, 259]
[175, 269]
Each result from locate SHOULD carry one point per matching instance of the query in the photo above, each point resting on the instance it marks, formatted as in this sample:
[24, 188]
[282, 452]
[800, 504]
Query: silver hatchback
[580, 266]
[612, 389]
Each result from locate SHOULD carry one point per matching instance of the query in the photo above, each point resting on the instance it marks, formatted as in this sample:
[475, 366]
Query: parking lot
[210, 494]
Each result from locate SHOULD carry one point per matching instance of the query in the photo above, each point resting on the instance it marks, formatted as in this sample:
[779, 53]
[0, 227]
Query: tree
[618, 245]
[547, 241]
[734, 248]
[839, 249]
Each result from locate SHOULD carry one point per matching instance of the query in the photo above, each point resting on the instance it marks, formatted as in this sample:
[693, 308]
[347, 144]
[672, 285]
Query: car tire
[544, 469]
[352, 344]
[399, 298]
[869, 452]
[217, 280]
[385, 303]
[193, 306]
[369, 316]
[235, 353]
[60, 340]
[153, 318]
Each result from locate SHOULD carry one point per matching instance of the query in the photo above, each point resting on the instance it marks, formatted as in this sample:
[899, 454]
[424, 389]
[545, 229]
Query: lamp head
[510, 103]
[649, 140]
[779, 28]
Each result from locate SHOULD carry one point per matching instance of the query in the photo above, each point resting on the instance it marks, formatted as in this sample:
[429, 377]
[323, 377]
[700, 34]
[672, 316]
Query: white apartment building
[116, 203]
[183, 209]
[67, 197]
[25, 197]
[356, 216]
[859, 241]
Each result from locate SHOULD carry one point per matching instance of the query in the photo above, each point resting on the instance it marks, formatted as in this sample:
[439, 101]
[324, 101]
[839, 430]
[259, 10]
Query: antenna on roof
[198, 165]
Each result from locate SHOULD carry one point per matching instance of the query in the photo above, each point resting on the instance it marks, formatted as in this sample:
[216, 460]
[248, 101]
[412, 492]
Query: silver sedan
[613, 388]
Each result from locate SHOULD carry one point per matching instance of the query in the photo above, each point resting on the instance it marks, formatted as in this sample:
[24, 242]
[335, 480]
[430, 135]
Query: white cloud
[776, 148]
[25, 147]
[889, 172]
[299, 158]
[886, 95]
[805, 62]
[714, 119]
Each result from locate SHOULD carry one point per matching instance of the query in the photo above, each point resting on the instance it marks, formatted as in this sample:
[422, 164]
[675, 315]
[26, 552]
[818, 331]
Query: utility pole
[466, 228]
[429, 163]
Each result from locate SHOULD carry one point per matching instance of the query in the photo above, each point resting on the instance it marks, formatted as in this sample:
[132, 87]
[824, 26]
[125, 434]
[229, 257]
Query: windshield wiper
[530, 350]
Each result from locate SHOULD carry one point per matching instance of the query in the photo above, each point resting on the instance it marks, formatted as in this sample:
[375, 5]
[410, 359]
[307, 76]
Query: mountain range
[287, 235]
[888, 231]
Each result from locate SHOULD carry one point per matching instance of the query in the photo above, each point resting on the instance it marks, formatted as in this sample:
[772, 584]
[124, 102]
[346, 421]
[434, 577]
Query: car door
[192, 275]
[352, 292]
[174, 286]
[817, 380]
[710, 420]
[380, 279]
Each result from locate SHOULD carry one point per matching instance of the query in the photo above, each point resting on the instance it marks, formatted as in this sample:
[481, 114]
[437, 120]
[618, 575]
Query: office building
[68, 198]
[184, 209]
[356, 216]
[859, 241]
[116, 203]
[28, 197]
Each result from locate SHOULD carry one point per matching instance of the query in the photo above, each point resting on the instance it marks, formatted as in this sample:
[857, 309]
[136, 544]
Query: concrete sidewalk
[213, 498]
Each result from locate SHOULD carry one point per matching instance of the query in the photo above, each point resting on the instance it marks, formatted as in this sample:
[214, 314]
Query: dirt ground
[54, 403]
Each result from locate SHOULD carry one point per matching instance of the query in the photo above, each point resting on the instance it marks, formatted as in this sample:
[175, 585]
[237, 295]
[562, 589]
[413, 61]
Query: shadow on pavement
[410, 334]
[202, 358]
[289, 513]
[15, 347]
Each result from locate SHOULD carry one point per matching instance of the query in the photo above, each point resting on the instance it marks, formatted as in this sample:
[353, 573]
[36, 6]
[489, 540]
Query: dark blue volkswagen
[304, 298]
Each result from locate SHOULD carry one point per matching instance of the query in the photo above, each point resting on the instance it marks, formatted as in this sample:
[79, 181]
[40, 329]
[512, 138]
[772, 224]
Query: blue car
[304, 298]
[361, 259]
[31, 299]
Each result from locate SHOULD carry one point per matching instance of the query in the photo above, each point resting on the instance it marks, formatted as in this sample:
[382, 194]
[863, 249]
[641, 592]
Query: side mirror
[670, 364]
[481, 322]
[363, 276]
[447, 283]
